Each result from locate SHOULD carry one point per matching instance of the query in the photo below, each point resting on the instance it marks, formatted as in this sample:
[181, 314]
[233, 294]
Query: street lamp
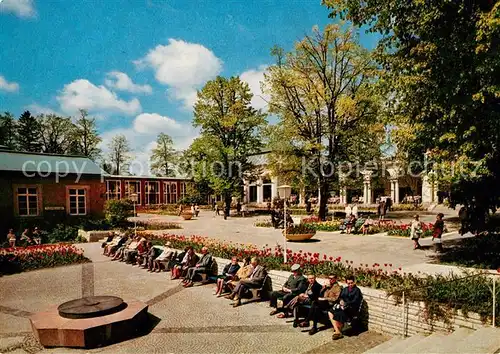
[285, 191]
[133, 197]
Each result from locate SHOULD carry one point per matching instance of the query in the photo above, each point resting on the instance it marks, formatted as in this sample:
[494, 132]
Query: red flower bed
[19, 259]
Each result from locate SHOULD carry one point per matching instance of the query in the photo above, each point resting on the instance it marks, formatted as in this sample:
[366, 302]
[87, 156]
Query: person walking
[416, 231]
[438, 232]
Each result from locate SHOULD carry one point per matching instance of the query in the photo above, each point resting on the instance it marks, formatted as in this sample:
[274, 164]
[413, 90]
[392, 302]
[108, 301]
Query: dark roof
[47, 163]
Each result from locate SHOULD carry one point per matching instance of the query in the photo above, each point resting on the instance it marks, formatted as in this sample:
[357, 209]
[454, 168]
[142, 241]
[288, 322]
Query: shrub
[95, 224]
[63, 233]
[117, 211]
[328, 226]
[158, 225]
[263, 223]
[19, 259]
[300, 229]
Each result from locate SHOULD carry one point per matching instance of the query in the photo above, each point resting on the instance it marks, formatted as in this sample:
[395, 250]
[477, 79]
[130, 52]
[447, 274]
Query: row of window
[29, 201]
[151, 191]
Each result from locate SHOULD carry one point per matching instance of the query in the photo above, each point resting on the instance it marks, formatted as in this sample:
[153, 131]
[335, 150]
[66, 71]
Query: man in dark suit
[254, 281]
[295, 285]
[203, 266]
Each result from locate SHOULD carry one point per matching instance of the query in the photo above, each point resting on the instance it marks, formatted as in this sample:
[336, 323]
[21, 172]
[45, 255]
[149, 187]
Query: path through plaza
[188, 320]
[367, 249]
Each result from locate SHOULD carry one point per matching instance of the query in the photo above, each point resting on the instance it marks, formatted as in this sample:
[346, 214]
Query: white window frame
[147, 192]
[138, 190]
[183, 189]
[77, 196]
[27, 195]
[117, 194]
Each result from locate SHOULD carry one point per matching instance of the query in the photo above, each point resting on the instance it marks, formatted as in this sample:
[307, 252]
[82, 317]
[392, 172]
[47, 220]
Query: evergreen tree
[8, 133]
[29, 133]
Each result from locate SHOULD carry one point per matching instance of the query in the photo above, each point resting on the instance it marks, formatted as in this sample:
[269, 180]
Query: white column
[343, 195]
[274, 188]
[302, 196]
[395, 191]
[365, 192]
[260, 192]
[370, 197]
[246, 193]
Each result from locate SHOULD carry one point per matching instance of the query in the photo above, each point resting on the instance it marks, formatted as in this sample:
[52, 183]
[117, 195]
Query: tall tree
[8, 131]
[163, 156]
[56, 133]
[230, 132]
[119, 153]
[323, 94]
[85, 137]
[443, 66]
[29, 133]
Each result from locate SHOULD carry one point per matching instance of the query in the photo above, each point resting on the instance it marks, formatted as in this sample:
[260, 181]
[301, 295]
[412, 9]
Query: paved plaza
[188, 320]
[365, 249]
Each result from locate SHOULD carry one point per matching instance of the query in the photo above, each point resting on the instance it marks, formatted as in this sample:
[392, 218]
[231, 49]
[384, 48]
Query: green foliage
[85, 140]
[8, 131]
[29, 133]
[62, 233]
[230, 133]
[300, 229]
[89, 224]
[442, 64]
[117, 211]
[163, 156]
[57, 134]
[324, 96]
[119, 153]
[158, 225]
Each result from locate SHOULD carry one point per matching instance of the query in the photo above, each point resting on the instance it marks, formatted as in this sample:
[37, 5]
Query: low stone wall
[92, 236]
[384, 316]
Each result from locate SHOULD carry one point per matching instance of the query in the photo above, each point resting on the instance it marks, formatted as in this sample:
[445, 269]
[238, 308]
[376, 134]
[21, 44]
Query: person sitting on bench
[203, 266]
[348, 307]
[295, 285]
[328, 296]
[228, 274]
[165, 257]
[306, 298]
[254, 281]
[189, 260]
[243, 273]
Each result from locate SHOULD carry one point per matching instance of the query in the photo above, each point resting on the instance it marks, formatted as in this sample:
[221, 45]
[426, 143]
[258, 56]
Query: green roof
[48, 163]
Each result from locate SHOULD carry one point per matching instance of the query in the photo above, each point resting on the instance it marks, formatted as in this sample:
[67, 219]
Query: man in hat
[295, 285]
[165, 257]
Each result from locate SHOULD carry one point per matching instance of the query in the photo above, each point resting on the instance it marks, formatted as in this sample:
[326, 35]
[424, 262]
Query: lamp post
[133, 197]
[286, 191]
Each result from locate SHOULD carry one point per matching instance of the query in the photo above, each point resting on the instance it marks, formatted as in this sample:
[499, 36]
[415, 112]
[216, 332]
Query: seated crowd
[300, 297]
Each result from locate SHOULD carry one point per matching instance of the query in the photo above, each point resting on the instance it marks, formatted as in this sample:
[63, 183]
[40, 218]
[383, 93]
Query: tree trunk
[227, 201]
[323, 200]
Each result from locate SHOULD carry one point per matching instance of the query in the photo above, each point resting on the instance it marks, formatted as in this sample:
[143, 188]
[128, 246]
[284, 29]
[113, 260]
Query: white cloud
[142, 135]
[21, 8]
[82, 94]
[182, 66]
[122, 82]
[254, 77]
[153, 122]
[8, 86]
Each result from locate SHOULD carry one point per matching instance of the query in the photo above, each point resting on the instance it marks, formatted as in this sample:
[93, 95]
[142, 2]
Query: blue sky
[136, 64]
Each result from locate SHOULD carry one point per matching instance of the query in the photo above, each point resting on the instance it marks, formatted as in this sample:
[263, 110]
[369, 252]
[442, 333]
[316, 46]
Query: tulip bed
[441, 294]
[20, 259]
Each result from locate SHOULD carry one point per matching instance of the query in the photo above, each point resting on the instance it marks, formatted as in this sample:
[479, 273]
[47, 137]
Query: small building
[149, 190]
[34, 186]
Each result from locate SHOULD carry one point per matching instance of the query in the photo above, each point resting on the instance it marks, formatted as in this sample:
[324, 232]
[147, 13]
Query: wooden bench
[354, 323]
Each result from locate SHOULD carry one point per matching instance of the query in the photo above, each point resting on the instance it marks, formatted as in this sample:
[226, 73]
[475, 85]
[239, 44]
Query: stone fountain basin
[53, 330]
